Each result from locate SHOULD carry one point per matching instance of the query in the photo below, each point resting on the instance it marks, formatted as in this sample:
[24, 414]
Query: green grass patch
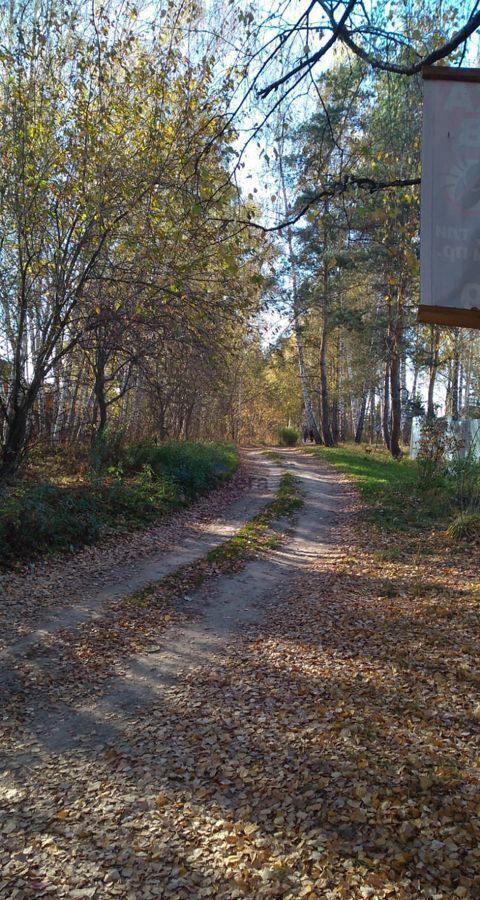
[288, 499]
[395, 497]
[274, 457]
[258, 535]
[252, 539]
[147, 482]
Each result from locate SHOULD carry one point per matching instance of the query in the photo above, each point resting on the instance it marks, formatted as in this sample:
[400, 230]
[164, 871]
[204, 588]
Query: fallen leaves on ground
[331, 753]
[36, 587]
[67, 662]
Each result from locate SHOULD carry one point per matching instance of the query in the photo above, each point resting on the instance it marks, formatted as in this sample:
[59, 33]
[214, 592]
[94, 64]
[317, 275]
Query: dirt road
[59, 749]
[219, 608]
[304, 727]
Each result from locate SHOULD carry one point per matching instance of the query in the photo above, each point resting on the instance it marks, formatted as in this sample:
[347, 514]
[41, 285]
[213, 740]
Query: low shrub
[193, 467]
[149, 481]
[44, 517]
[288, 437]
[106, 449]
[446, 466]
[138, 499]
[464, 482]
[465, 527]
[431, 456]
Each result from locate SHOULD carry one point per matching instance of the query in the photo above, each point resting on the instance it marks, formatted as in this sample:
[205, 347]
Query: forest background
[176, 178]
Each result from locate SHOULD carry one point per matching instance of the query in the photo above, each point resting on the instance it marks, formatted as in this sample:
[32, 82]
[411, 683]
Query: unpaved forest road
[311, 732]
[221, 607]
[55, 599]
[98, 574]
[57, 752]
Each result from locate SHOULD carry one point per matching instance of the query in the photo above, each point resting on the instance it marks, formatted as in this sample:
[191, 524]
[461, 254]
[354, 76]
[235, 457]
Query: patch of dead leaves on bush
[333, 753]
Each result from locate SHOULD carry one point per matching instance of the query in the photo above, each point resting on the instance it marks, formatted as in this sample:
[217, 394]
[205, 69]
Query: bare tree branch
[340, 31]
[336, 189]
[312, 60]
[440, 53]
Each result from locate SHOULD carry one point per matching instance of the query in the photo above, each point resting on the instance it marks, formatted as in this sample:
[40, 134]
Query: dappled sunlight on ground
[331, 751]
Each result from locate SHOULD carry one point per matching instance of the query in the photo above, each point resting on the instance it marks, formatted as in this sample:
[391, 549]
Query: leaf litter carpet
[330, 751]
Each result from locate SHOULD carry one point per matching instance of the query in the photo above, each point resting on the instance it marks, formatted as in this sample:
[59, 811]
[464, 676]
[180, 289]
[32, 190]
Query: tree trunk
[396, 405]
[415, 380]
[386, 407]
[361, 417]
[460, 388]
[100, 396]
[63, 379]
[395, 336]
[468, 381]
[20, 399]
[372, 415]
[434, 359]
[407, 428]
[74, 403]
[326, 428]
[188, 419]
[455, 376]
[307, 400]
[14, 441]
[335, 422]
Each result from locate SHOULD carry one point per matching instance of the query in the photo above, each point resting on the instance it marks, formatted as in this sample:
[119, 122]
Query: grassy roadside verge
[394, 495]
[257, 536]
[146, 482]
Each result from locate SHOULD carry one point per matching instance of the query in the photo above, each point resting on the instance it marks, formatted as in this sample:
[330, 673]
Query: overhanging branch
[435, 56]
[337, 189]
[341, 32]
[312, 60]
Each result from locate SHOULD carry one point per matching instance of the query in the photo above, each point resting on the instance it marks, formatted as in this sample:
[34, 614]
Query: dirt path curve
[233, 602]
[85, 589]
[222, 607]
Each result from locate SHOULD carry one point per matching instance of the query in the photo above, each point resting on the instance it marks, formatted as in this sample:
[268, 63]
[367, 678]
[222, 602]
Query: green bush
[136, 500]
[288, 437]
[431, 458]
[192, 467]
[44, 517]
[148, 481]
[106, 449]
[444, 466]
[463, 475]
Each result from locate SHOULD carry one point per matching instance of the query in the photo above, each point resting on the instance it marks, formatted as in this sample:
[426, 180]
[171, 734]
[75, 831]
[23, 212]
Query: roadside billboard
[450, 198]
